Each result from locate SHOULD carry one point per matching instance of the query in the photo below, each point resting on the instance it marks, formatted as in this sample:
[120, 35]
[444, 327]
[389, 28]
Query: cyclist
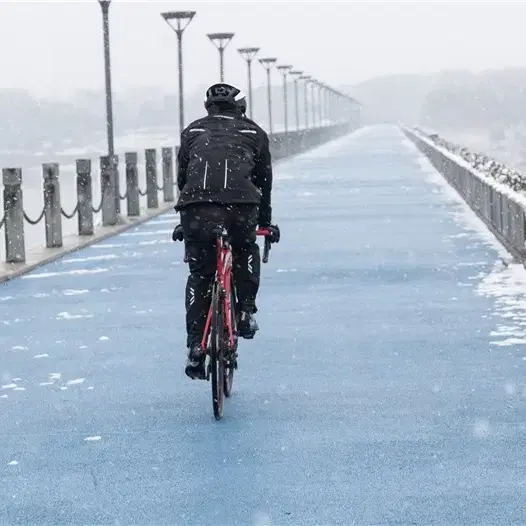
[225, 179]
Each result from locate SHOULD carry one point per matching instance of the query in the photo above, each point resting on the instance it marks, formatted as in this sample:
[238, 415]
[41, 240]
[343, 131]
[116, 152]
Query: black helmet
[225, 97]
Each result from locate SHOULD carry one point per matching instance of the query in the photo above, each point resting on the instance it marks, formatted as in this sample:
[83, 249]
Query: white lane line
[77, 272]
[146, 233]
[102, 257]
[74, 292]
[69, 316]
[134, 245]
[77, 381]
[163, 222]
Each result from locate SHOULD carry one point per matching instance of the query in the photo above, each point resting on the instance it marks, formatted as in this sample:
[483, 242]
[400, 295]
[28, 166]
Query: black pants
[198, 222]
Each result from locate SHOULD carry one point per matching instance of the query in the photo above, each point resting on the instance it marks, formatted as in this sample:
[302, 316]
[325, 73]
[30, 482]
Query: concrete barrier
[18, 260]
[501, 208]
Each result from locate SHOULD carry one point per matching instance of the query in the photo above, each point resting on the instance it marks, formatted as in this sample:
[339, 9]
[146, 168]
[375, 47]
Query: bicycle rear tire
[231, 360]
[217, 364]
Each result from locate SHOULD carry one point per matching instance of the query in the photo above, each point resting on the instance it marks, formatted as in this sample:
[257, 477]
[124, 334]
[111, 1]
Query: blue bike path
[386, 385]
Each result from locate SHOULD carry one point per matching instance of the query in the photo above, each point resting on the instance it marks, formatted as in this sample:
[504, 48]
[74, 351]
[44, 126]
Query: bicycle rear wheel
[217, 365]
[231, 359]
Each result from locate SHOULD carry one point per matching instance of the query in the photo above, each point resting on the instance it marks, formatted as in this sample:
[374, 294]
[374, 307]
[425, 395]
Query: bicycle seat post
[222, 234]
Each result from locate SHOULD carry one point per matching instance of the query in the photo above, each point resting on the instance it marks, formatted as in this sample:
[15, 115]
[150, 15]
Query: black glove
[178, 233]
[274, 233]
[265, 213]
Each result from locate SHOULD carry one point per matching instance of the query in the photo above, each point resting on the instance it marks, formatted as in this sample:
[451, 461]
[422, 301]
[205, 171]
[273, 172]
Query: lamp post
[297, 75]
[320, 102]
[312, 83]
[330, 104]
[105, 6]
[284, 69]
[248, 53]
[178, 21]
[306, 79]
[337, 104]
[221, 41]
[268, 63]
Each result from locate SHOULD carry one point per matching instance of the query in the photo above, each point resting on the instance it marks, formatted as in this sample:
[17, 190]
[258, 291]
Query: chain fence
[97, 209]
[35, 221]
[70, 216]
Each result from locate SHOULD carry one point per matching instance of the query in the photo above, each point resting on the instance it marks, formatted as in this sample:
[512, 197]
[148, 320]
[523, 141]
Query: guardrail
[479, 161]
[282, 145]
[502, 209]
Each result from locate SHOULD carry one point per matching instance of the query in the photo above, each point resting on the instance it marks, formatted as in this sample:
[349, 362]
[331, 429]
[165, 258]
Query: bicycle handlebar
[265, 232]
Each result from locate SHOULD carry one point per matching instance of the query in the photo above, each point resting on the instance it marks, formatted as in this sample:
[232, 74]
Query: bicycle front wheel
[217, 366]
[231, 359]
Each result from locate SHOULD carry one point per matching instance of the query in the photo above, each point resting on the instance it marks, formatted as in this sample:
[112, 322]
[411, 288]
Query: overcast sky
[53, 48]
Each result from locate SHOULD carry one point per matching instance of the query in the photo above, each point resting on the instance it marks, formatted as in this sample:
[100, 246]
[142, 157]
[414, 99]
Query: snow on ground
[412, 392]
[482, 162]
[506, 283]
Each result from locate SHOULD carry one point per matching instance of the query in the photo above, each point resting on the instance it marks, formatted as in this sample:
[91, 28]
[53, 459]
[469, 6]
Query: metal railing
[14, 215]
[52, 212]
[502, 209]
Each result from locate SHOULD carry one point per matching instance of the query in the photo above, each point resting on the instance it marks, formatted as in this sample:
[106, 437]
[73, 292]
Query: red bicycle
[220, 341]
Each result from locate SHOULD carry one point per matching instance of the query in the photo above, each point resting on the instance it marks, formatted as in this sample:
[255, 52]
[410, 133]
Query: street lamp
[297, 75]
[330, 104]
[313, 83]
[248, 53]
[306, 79]
[267, 63]
[105, 6]
[221, 41]
[320, 103]
[284, 70]
[178, 21]
[339, 104]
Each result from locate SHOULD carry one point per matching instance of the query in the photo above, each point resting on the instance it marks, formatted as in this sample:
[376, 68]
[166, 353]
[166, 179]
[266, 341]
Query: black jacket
[225, 159]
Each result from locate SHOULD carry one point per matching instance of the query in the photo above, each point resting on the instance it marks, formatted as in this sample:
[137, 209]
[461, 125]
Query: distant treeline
[27, 123]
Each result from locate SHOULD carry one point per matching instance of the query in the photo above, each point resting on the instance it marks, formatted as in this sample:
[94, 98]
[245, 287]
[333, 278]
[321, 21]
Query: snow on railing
[481, 162]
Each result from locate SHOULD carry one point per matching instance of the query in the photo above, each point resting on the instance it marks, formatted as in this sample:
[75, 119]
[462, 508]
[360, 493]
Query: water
[31, 164]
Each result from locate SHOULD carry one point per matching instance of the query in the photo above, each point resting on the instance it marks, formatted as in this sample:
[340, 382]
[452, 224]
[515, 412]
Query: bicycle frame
[223, 283]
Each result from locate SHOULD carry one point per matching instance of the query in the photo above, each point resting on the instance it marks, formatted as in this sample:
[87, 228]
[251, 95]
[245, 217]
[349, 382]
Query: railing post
[132, 184]
[85, 197]
[14, 216]
[107, 191]
[52, 214]
[152, 199]
[520, 234]
[176, 166]
[168, 174]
